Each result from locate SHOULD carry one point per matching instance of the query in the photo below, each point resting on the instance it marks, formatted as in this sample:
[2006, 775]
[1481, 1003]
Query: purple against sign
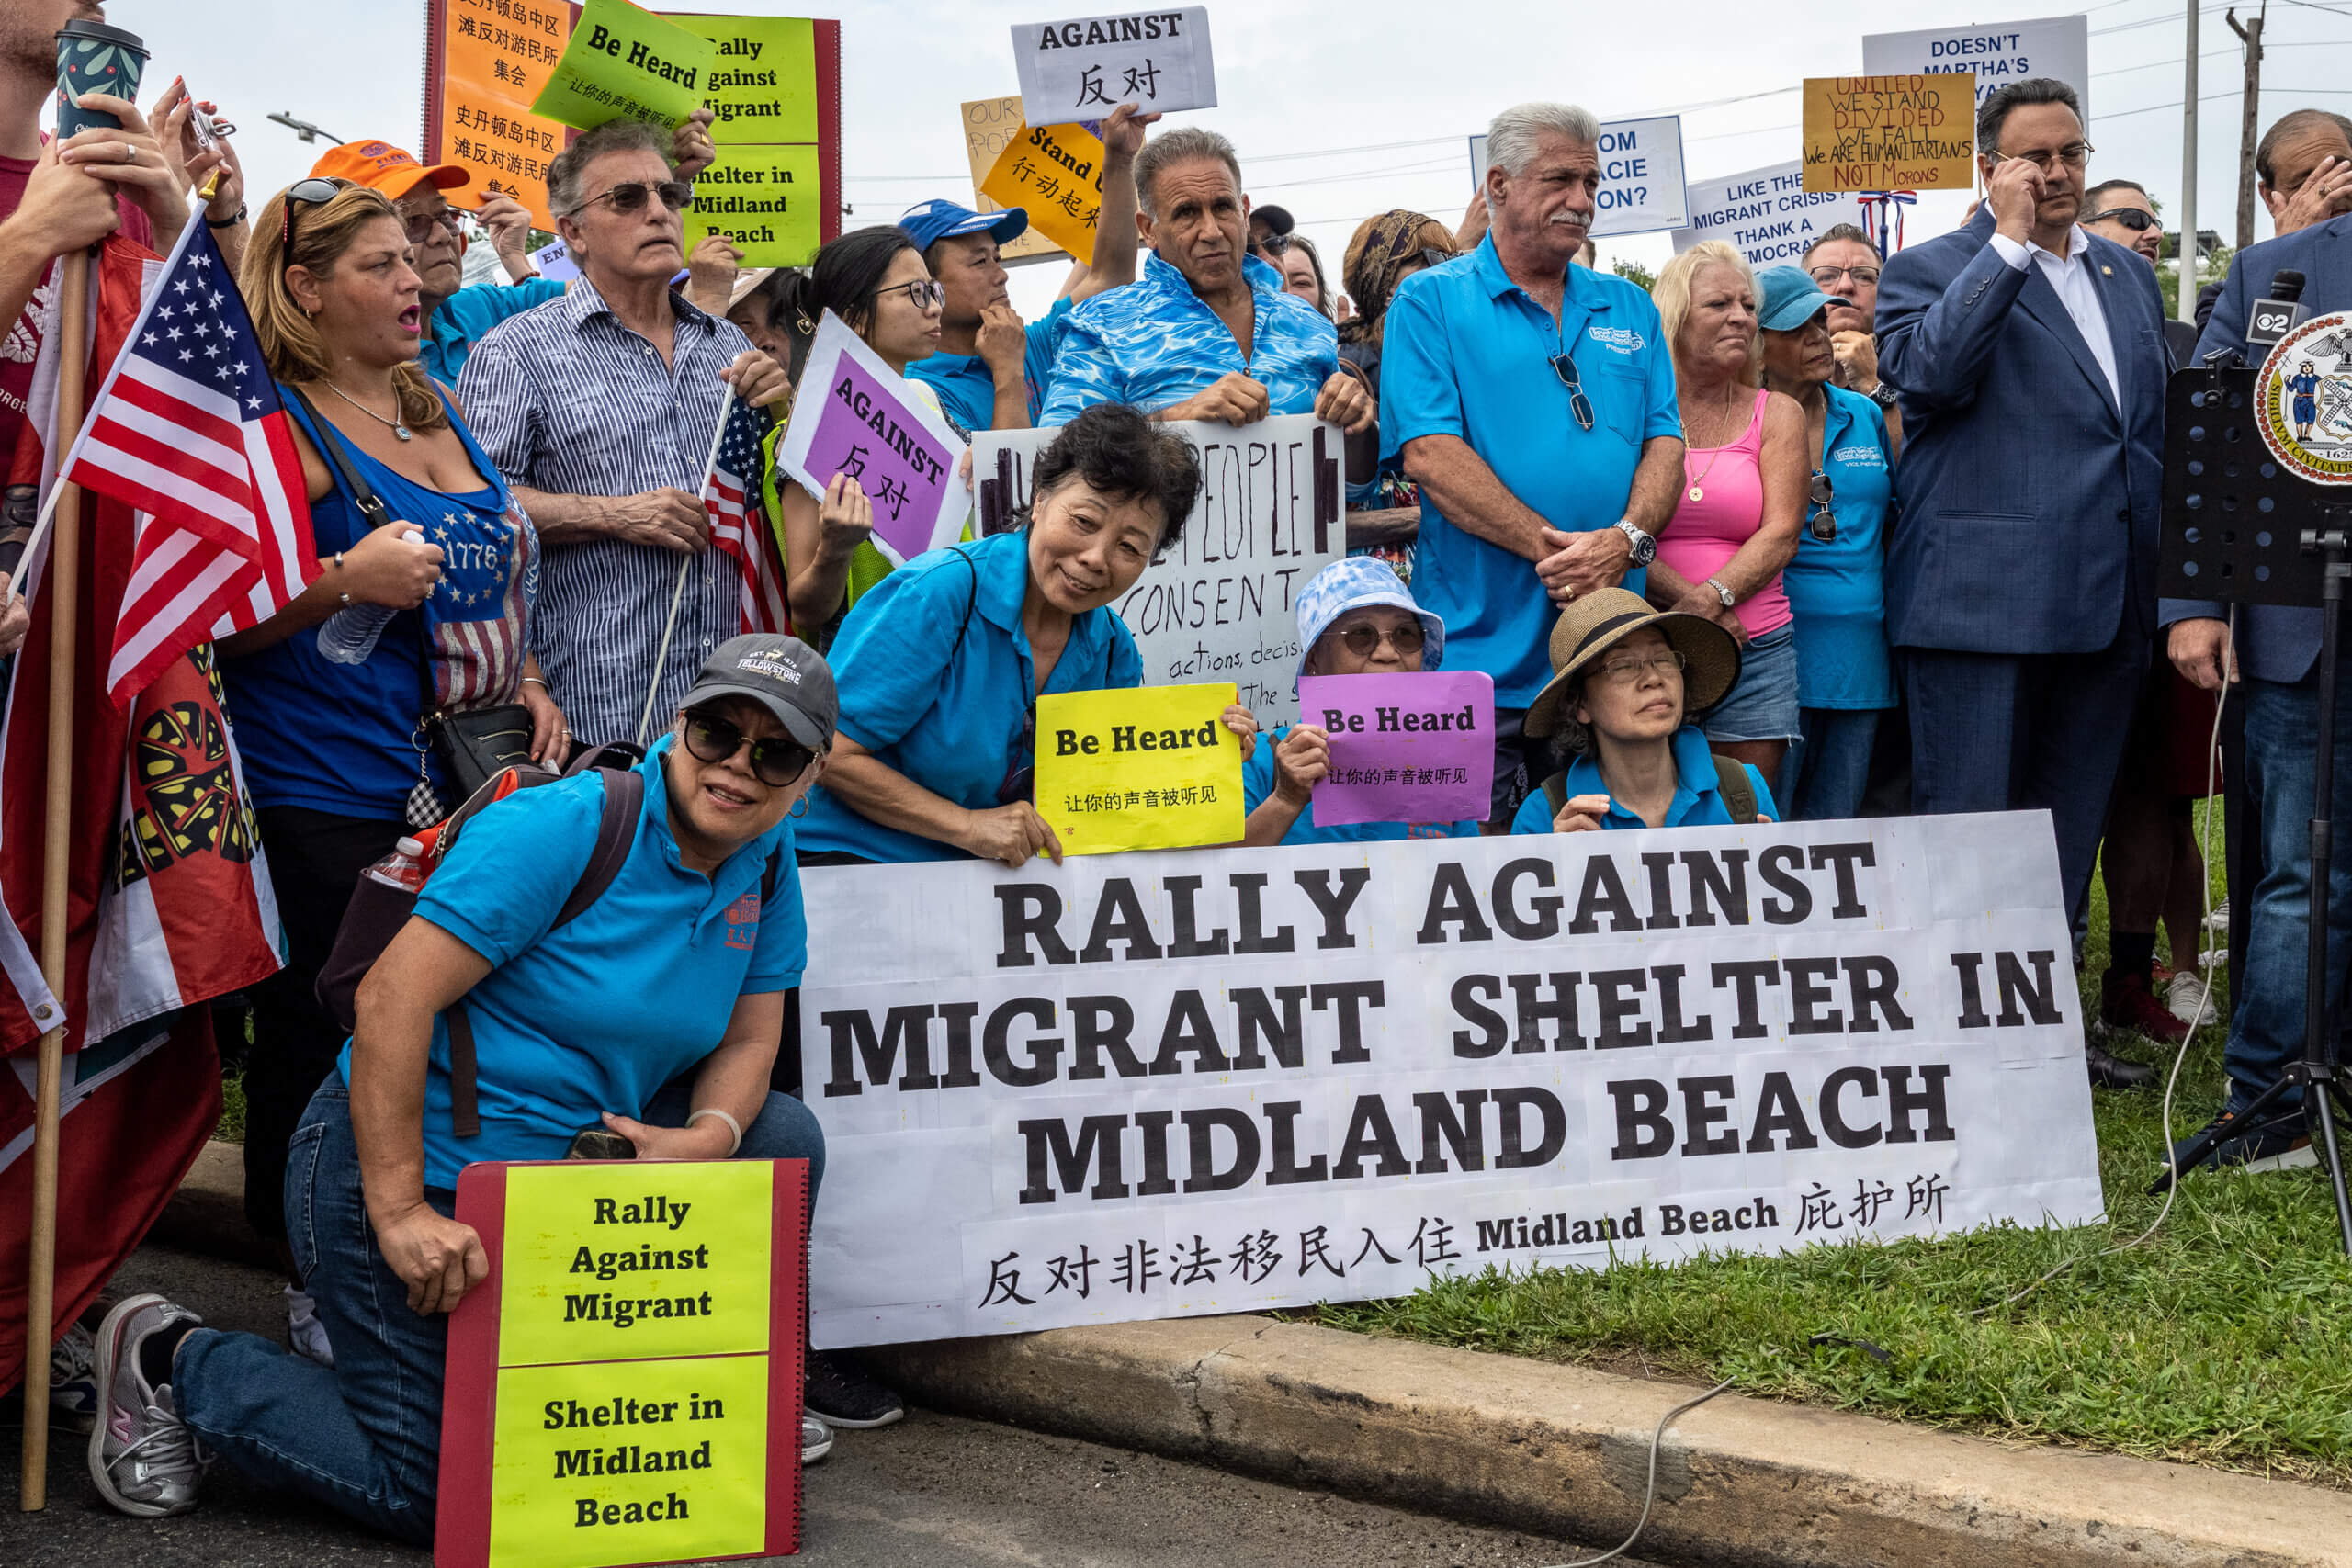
[867, 431]
[1404, 747]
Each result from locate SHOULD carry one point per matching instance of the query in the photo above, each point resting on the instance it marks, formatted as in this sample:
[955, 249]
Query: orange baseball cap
[382, 167]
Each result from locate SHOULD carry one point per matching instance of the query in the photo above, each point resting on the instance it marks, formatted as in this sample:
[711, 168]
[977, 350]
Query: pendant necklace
[1697, 491]
[398, 428]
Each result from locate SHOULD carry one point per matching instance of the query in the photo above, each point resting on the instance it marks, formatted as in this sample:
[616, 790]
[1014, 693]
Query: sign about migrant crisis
[1165, 1084]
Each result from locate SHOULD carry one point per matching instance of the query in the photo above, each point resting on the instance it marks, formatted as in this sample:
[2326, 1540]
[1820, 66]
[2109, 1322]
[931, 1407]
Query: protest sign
[625, 1386]
[768, 198]
[554, 261]
[990, 125]
[1766, 215]
[774, 92]
[762, 85]
[1153, 768]
[1889, 133]
[1055, 173]
[485, 61]
[1159, 61]
[1641, 176]
[1404, 747]
[1221, 1081]
[852, 417]
[624, 62]
[1222, 601]
[1996, 54]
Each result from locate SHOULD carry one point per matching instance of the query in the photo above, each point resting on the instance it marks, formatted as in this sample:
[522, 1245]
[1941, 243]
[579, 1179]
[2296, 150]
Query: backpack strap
[465, 1118]
[1555, 791]
[1737, 789]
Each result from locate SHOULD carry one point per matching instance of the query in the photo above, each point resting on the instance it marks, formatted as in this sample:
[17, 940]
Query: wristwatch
[1645, 547]
[1721, 593]
[1882, 394]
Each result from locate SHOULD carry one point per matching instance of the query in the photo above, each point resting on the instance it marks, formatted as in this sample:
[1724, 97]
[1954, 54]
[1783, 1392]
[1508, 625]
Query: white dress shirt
[2070, 275]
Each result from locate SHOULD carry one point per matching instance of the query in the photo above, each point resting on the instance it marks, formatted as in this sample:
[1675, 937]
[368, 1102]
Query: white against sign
[1766, 215]
[1084, 69]
[1641, 176]
[1157, 1085]
[1222, 605]
[1999, 54]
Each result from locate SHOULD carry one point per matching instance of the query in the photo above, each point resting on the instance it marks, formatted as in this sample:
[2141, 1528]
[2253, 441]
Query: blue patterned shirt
[1153, 343]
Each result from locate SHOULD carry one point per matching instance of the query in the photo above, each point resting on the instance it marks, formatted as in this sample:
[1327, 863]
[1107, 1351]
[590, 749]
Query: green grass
[2226, 1339]
[232, 1108]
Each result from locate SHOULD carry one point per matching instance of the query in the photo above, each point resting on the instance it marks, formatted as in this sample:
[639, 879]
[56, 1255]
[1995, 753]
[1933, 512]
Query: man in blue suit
[2277, 668]
[2021, 584]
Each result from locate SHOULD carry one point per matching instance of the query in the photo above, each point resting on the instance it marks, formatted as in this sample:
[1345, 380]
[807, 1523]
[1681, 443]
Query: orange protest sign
[1054, 171]
[488, 58]
[1890, 132]
[990, 125]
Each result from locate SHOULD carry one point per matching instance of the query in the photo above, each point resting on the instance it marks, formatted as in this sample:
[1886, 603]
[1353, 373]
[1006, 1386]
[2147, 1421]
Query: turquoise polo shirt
[966, 387]
[1698, 798]
[1837, 591]
[466, 316]
[936, 681]
[1465, 352]
[1258, 782]
[599, 1014]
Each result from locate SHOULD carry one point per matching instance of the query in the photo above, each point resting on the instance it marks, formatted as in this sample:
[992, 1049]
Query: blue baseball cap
[928, 222]
[1790, 298]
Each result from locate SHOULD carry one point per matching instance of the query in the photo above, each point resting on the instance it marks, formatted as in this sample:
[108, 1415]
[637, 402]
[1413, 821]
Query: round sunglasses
[775, 760]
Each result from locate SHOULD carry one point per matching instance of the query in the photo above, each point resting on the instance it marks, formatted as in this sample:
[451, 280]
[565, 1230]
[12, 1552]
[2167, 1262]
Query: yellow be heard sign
[1144, 768]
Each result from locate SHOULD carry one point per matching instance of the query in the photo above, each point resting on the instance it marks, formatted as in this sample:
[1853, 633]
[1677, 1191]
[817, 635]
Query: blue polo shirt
[966, 387]
[936, 681]
[1698, 799]
[468, 314]
[1465, 352]
[1837, 591]
[1153, 343]
[1258, 782]
[600, 1014]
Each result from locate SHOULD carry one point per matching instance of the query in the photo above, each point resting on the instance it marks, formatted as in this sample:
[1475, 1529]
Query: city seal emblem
[2303, 400]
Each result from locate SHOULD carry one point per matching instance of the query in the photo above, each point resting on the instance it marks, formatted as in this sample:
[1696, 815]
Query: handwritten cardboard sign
[624, 62]
[1766, 215]
[991, 125]
[1890, 132]
[1404, 747]
[1641, 176]
[1995, 54]
[1157, 60]
[1153, 768]
[625, 1387]
[852, 417]
[1055, 173]
[484, 66]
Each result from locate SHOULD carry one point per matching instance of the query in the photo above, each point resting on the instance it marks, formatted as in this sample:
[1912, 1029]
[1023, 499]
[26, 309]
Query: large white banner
[1641, 176]
[1222, 605]
[1766, 214]
[1999, 53]
[1159, 1085]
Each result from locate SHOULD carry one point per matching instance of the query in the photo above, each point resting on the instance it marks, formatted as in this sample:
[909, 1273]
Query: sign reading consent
[866, 425]
[1160, 1085]
[1220, 604]
[1404, 747]
[1159, 61]
[1889, 133]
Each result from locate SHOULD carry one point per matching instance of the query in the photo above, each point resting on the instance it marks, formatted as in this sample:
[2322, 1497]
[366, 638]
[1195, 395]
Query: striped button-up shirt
[565, 399]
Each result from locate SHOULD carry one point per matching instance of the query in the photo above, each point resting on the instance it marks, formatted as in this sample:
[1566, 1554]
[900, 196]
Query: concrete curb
[1563, 1450]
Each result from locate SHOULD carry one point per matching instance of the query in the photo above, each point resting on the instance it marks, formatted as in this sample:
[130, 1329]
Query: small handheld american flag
[739, 524]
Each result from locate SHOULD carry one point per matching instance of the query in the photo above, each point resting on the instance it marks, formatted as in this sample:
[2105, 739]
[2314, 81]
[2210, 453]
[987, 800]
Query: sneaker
[816, 1439]
[2128, 1003]
[2256, 1148]
[2219, 957]
[839, 1390]
[72, 1386]
[145, 1460]
[2219, 921]
[2189, 998]
[304, 1333]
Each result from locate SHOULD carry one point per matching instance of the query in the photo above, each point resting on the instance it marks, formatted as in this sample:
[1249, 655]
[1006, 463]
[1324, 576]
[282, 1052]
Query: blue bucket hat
[1790, 298]
[928, 222]
[1353, 583]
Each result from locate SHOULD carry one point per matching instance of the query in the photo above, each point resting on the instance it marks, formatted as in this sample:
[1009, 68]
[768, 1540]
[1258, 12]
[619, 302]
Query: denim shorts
[1763, 704]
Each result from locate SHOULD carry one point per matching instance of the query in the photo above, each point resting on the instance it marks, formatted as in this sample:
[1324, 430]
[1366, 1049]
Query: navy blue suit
[2020, 583]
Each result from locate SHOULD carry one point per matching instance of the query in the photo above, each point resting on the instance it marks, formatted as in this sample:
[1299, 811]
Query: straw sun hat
[1594, 623]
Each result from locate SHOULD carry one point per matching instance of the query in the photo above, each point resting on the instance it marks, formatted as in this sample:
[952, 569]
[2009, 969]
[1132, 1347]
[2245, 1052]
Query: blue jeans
[2267, 1026]
[365, 1434]
[1829, 767]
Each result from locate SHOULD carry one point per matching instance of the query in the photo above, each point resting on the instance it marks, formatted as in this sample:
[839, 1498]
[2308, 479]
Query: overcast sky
[1339, 110]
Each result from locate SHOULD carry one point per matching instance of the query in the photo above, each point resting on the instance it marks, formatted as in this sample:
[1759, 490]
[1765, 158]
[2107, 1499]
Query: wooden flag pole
[62, 583]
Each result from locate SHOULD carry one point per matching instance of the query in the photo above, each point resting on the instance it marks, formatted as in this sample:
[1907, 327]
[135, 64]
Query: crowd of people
[1863, 534]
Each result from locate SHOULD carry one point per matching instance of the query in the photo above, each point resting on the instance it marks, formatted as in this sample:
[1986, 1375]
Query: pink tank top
[1705, 534]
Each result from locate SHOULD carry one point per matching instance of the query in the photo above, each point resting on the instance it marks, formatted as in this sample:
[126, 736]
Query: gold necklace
[398, 428]
[1698, 490]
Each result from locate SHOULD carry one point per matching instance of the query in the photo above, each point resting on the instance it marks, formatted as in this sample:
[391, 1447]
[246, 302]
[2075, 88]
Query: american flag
[190, 430]
[739, 524]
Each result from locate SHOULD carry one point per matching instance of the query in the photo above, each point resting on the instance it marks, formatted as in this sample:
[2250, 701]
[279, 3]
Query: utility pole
[2250, 32]
[2187, 258]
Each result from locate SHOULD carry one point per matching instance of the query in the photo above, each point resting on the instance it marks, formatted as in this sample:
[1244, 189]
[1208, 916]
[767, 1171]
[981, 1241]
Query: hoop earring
[799, 807]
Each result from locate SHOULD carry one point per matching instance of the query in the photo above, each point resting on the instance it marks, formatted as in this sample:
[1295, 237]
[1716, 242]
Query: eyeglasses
[1273, 245]
[1862, 276]
[1364, 642]
[775, 761]
[1824, 526]
[1640, 667]
[420, 226]
[2074, 154]
[317, 191]
[928, 294]
[1563, 366]
[2139, 219]
[630, 195]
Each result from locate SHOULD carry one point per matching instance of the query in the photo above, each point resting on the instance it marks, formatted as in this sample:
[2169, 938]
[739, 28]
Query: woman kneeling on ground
[671, 1053]
[1627, 684]
[1355, 617]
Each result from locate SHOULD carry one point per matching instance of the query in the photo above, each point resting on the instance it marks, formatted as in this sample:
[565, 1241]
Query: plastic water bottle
[349, 634]
[404, 868]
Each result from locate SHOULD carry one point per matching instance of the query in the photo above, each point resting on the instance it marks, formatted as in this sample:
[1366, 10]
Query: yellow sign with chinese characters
[1151, 767]
[991, 125]
[1055, 173]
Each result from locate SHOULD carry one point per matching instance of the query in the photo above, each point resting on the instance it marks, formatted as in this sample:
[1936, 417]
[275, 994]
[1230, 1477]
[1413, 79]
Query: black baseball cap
[1277, 219]
[782, 674]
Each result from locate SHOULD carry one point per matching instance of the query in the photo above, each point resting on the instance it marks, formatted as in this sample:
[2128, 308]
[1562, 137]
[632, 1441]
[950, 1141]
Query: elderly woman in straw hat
[1627, 681]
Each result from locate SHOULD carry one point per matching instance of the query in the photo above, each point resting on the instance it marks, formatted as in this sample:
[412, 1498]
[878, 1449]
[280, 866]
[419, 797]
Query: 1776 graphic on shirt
[853, 419]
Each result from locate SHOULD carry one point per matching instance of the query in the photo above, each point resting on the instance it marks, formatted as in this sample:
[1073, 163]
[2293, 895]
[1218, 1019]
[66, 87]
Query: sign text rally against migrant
[1170, 1084]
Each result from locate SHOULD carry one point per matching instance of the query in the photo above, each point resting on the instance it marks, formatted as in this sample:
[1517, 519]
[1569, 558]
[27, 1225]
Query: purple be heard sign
[853, 416]
[1404, 747]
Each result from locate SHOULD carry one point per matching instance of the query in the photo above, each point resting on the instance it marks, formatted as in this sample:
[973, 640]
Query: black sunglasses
[1274, 244]
[629, 196]
[1825, 522]
[1563, 366]
[775, 761]
[2139, 219]
[1364, 642]
[318, 191]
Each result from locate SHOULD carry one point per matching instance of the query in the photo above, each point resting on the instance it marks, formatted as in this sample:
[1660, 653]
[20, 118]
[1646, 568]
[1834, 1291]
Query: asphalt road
[933, 1492]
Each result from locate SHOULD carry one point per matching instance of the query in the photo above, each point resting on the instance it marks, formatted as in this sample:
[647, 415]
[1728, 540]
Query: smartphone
[599, 1143]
